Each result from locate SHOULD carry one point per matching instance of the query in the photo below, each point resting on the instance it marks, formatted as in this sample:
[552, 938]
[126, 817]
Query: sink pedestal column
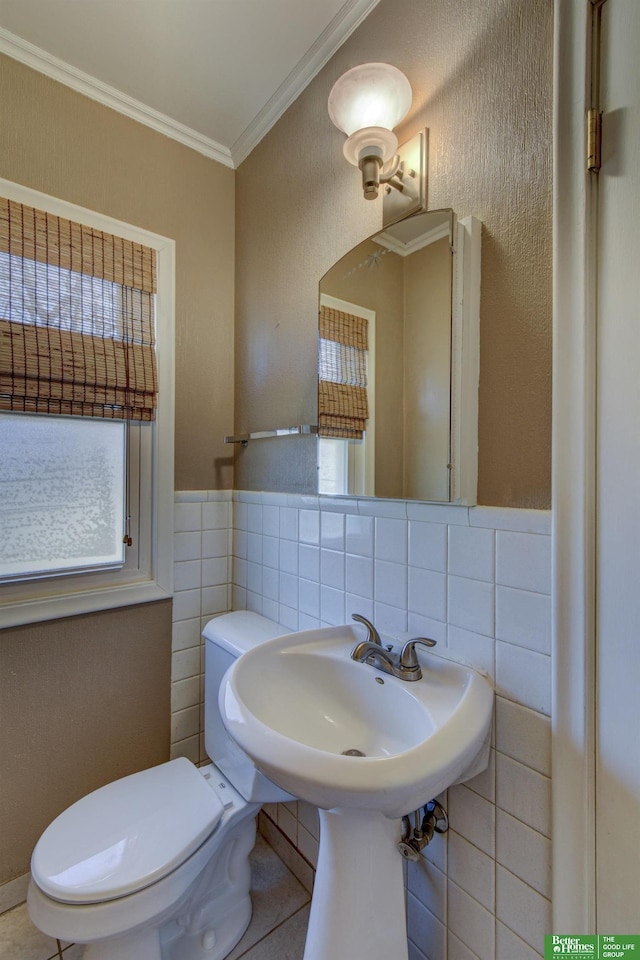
[357, 908]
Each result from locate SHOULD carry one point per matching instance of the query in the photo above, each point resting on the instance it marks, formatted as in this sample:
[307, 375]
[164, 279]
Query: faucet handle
[373, 635]
[408, 656]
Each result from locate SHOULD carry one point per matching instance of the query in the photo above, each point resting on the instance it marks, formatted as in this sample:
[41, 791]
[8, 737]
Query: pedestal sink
[366, 748]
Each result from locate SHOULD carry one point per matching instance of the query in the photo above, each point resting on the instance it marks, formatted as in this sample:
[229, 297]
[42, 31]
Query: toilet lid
[126, 835]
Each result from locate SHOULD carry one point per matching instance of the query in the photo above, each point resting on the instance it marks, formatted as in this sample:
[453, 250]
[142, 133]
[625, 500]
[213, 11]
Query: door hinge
[594, 140]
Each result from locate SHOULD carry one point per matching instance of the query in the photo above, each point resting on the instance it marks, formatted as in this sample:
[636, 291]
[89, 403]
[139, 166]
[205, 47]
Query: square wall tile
[288, 590]
[271, 552]
[428, 593]
[457, 949]
[471, 922]
[271, 521]
[332, 568]
[473, 817]
[359, 535]
[389, 619]
[289, 556]
[309, 527]
[270, 583]
[390, 583]
[185, 723]
[332, 530]
[254, 517]
[288, 523]
[526, 912]
[419, 626]
[215, 572]
[428, 884]
[359, 576]
[425, 930]
[186, 633]
[309, 562]
[428, 545]
[523, 793]
[472, 870]
[186, 605]
[185, 663]
[185, 693]
[509, 946]
[216, 515]
[472, 552]
[524, 618]
[239, 573]
[215, 600]
[523, 560]
[391, 540]
[332, 606]
[524, 851]
[288, 617]
[187, 517]
[524, 676]
[309, 597]
[187, 546]
[523, 735]
[239, 512]
[473, 648]
[471, 605]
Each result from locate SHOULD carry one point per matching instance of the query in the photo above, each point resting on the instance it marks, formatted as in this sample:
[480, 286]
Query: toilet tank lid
[242, 630]
[126, 835]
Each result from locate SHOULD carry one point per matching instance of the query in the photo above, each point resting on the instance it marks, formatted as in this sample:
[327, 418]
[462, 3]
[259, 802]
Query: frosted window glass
[61, 494]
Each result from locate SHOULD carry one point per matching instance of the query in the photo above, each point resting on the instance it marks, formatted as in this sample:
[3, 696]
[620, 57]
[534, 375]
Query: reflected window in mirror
[346, 398]
[401, 280]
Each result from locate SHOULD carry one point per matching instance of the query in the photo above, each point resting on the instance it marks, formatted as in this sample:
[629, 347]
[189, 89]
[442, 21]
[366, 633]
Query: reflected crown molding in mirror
[398, 368]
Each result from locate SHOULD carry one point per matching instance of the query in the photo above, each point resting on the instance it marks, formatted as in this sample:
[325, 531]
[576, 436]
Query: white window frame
[49, 598]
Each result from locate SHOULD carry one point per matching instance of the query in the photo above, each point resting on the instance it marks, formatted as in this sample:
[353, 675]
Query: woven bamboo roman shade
[343, 407]
[76, 318]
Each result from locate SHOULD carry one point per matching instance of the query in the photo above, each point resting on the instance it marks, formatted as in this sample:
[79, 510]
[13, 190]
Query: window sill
[73, 604]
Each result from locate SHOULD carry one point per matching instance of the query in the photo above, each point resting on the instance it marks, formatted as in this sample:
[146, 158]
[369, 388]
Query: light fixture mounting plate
[412, 177]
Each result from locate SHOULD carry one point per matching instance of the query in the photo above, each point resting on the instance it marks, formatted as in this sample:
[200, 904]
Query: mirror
[391, 370]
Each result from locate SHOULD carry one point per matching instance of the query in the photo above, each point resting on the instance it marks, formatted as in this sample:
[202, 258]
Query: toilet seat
[126, 835]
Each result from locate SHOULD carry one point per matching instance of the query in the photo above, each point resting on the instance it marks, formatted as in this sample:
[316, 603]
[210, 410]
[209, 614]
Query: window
[86, 410]
[346, 388]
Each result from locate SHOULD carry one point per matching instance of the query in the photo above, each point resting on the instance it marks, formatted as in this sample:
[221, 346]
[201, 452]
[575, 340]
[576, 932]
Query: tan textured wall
[87, 699]
[482, 80]
[59, 142]
[84, 700]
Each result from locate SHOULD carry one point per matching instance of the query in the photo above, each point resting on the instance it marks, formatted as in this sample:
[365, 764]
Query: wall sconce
[366, 103]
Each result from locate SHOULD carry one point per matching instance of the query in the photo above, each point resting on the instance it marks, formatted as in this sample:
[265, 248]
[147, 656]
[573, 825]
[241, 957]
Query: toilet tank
[226, 638]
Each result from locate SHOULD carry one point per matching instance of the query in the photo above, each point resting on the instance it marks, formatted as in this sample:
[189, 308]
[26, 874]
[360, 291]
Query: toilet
[155, 866]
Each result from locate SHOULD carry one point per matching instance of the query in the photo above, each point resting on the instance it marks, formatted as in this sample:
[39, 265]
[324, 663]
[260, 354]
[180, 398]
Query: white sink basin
[298, 703]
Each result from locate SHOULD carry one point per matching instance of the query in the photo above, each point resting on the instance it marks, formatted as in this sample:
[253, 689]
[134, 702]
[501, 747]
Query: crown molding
[331, 39]
[38, 59]
[334, 35]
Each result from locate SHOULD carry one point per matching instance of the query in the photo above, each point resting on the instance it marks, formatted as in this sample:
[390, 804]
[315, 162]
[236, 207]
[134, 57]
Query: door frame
[574, 479]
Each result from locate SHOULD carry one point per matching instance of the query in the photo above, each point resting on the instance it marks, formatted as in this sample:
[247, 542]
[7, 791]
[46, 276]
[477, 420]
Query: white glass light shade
[370, 95]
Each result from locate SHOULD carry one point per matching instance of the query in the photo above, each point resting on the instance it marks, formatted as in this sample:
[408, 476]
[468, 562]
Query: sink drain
[353, 753]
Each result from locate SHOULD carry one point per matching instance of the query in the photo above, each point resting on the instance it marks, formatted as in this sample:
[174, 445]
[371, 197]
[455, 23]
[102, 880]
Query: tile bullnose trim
[13, 892]
[515, 519]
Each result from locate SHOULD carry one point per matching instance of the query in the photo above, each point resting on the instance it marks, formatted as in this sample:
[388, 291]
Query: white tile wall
[477, 580]
[202, 589]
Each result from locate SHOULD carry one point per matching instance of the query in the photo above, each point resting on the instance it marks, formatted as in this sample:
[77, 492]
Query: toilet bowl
[155, 866]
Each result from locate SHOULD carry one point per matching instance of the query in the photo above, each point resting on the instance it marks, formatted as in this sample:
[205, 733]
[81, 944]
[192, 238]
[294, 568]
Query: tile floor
[276, 932]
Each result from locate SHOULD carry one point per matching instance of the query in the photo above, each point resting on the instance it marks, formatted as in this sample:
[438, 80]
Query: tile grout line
[277, 927]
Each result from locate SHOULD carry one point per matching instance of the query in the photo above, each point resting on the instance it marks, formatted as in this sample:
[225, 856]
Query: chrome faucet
[404, 665]
[372, 634]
